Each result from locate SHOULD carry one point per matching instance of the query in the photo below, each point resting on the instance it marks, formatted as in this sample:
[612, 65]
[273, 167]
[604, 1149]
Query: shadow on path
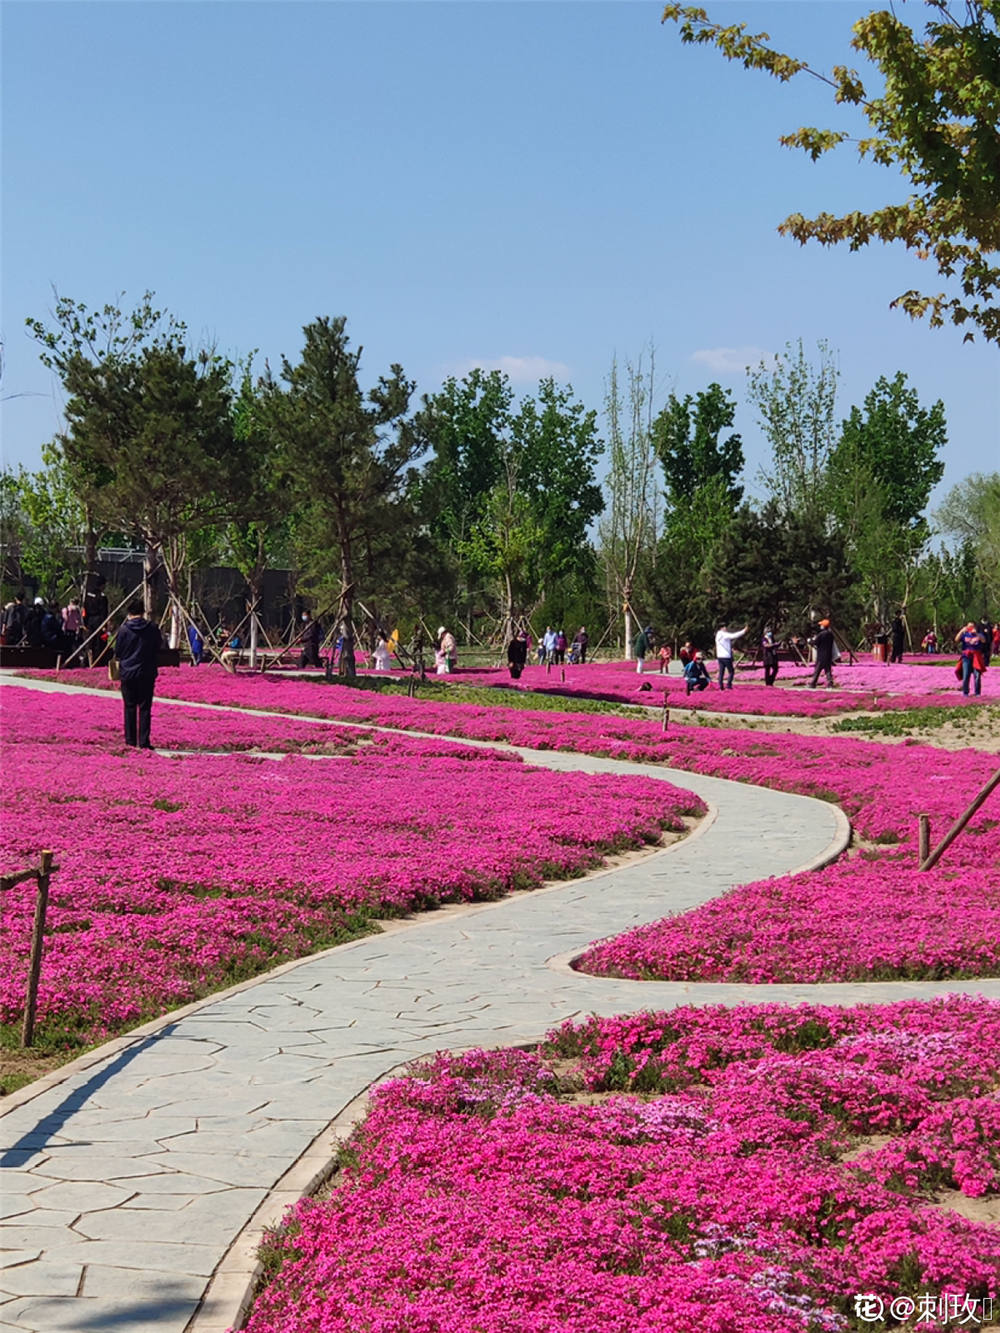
[28, 1145]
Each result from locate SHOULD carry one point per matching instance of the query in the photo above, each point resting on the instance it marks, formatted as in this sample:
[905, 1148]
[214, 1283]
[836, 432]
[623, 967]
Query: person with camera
[824, 646]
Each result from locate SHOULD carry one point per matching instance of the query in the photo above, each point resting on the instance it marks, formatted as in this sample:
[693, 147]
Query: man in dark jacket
[898, 632]
[137, 648]
[824, 644]
[33, 623]
[517, 655]
[311, 637]
[51, 629]
[13, 620]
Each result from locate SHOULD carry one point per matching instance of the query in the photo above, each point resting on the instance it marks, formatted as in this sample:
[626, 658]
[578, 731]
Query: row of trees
[475, 508]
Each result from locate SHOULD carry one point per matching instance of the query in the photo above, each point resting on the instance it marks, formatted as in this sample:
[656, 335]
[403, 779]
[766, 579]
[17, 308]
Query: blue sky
[533, 185]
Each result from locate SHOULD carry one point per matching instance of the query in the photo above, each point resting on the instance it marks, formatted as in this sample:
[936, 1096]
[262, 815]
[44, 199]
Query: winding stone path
[128, 1174]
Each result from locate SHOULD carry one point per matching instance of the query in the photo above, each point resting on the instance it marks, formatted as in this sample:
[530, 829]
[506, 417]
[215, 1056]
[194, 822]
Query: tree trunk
[150, 564]
[90, 562]
[347, 667]
[629, 633]
[508, 611]
[253, 631]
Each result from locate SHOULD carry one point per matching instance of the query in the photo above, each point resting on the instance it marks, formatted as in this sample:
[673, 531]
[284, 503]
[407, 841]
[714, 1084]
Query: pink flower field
[707, 1170]
[179, 875]
[865, 687]
[871, 916]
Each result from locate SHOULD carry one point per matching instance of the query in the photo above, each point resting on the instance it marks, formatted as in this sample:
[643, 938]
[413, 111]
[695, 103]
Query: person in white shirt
[381, 655]
[724, 640]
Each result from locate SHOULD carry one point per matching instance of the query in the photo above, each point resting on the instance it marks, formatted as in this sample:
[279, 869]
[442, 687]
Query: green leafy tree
[628, 532]
[895, 442]
[257, 536]
[345, 455]
[934, 120]
[52, 529]
[970, 513]
[880, 477]
[149, 426]
[557, 445]
[513, 491]
[795, 401]
[466, 423]
[700, 468]
[687, 437]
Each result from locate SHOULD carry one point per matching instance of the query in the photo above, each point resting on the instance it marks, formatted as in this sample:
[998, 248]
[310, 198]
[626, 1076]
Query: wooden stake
[960, 823]
[35, 961]
[924, 846]
[666, 714]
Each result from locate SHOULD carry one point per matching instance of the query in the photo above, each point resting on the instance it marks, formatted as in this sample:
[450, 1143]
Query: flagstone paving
[129, 1175]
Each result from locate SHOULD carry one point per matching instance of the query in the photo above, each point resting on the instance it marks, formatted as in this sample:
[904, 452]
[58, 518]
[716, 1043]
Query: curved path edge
[131, 1173]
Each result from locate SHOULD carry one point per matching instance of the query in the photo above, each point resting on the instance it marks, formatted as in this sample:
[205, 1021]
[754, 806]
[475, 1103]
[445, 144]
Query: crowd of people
[43, 624]
[79, 631]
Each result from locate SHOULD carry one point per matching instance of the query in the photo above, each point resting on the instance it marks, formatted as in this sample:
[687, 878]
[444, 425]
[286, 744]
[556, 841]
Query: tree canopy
[344, 454]
[687, 437]
[935, 121]
[513, 491]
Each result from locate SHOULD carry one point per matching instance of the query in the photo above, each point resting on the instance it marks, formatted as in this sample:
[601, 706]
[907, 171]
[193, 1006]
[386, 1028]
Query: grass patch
[492, 696]
[908, 720]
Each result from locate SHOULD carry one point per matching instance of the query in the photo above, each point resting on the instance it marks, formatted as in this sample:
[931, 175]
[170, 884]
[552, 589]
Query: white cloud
[519, 369]
[729, 360]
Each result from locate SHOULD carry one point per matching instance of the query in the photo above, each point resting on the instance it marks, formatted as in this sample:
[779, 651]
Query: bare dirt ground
[975, 729]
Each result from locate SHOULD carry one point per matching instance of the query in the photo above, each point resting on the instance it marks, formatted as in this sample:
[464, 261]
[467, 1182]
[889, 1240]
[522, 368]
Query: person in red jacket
[972, 663]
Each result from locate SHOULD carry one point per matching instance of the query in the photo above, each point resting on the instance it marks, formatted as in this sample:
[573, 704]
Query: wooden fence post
[37, 940]
[960, 823]
[41, 877]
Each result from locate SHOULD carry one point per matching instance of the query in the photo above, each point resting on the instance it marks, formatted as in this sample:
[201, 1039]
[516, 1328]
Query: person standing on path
[985, 628]
[824, 644]
[448, 646]
[642, 646]
[311, 637]
[14, 614]
[72, 622]
[137, 647]
[769, 647]
[380, 654]
[898, 630]
[517, 655]
[724, 640]
[580, 643]
[972, 645]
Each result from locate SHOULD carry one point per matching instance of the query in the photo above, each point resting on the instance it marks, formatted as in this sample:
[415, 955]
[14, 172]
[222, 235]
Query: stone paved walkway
[128, 1175]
